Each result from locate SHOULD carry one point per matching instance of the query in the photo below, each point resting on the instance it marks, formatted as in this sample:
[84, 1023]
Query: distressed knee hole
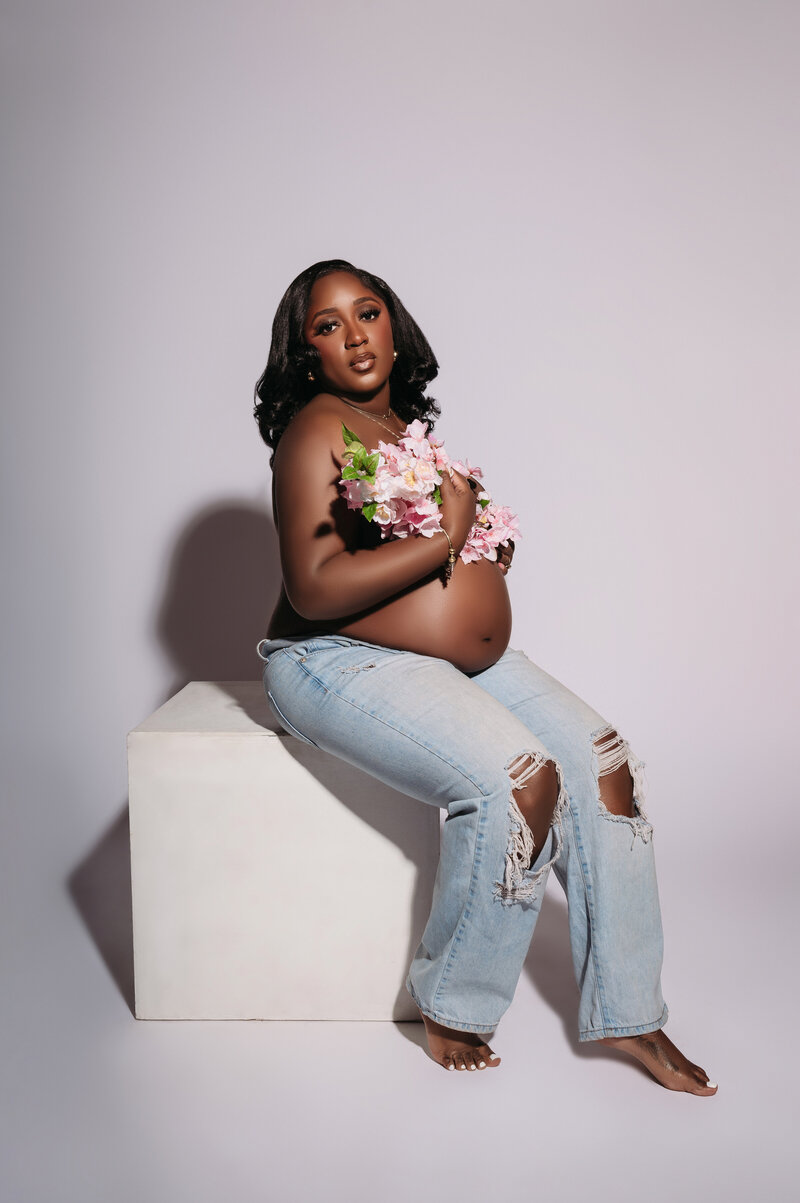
[536, 800]
[614, 776]
[620, 781]
[535, 785]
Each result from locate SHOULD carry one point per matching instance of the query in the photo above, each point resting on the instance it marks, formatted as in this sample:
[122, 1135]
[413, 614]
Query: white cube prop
[270, 880]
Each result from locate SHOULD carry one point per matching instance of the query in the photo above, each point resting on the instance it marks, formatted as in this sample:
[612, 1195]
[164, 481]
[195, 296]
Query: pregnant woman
[393, 654]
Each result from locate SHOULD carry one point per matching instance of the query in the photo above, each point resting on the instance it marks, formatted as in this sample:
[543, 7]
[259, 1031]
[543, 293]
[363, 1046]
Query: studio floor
[103, 1107]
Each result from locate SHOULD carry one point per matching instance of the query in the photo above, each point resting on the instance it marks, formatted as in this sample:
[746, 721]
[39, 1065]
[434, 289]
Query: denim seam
[273, 656]
[638, 1029]
[587, 890]
[400, 731]
[465, 911]
[341, 641]
[447, 1021]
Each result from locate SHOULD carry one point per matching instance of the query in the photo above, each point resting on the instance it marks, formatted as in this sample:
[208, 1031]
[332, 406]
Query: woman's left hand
[505, 553]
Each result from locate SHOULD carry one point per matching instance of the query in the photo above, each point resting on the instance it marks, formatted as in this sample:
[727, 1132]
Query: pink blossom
[353, 494]
[403, 487]
[389, 513]
[384, 482]
[466, 468]
[414, 439]
[390, 452]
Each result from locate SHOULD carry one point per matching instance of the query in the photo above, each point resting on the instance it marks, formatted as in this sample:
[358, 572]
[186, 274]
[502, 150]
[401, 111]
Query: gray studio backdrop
[591, 210]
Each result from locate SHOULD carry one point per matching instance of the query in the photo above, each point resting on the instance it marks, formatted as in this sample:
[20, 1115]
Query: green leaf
[350, 473]
[354, 447]
[484, 502]
[372, 461]
[369, 510]
[437, 495]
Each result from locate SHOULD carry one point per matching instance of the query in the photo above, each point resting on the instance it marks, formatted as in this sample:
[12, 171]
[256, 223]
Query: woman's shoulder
[315, 427]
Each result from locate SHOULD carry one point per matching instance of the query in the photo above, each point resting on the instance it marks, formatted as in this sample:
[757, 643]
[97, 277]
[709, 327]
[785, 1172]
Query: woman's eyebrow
[358, 301]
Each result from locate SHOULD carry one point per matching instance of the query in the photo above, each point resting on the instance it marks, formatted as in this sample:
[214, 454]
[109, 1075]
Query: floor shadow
[414, 1032]
[100, 888]
[549, 967]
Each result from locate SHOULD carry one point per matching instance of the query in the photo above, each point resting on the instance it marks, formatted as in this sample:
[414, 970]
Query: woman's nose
[355, 337]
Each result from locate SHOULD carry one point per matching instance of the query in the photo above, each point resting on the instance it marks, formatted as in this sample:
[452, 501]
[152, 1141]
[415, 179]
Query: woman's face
[349, 325]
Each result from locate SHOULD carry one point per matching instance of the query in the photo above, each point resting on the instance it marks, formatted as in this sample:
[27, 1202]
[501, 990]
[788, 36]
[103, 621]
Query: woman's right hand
[329, 570]
[458, 506]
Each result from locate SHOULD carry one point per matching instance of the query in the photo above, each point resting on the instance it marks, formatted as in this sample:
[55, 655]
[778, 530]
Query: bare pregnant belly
[467, 622]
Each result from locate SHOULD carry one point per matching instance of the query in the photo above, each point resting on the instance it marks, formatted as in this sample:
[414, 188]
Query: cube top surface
[215, 707]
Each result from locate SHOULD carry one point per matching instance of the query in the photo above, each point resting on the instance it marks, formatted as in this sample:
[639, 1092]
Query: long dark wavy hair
[284, 388]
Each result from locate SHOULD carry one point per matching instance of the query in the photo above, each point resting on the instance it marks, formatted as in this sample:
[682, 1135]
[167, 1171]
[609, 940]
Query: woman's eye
[365, 315]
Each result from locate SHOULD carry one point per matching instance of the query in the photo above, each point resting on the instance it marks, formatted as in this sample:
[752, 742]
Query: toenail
[451, 1067]
[713, 1085]
[492, 1056]
[472, 1066]
[482, 1065]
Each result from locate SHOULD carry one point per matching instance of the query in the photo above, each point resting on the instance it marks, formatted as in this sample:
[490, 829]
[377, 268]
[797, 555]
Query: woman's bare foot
[664, 1061]
[458, 1050]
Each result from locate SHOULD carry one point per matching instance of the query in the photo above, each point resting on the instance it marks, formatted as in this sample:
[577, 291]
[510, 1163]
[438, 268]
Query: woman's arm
[322, 578]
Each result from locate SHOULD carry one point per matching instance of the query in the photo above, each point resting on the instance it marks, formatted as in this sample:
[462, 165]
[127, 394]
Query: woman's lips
[363, 365]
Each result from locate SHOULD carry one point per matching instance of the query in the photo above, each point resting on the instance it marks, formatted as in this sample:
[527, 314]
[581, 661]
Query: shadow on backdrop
[222, 583]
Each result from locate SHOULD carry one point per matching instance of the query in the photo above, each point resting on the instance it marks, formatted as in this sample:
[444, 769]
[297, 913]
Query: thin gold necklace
[367, 414]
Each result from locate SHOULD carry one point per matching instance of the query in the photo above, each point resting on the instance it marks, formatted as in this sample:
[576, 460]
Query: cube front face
[271, 880]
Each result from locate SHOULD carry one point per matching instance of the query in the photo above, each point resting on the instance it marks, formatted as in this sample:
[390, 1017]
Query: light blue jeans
[457, 741]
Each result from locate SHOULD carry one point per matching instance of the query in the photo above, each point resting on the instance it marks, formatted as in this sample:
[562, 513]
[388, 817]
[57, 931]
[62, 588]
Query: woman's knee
[615, 780]
[536, 784]
[614, 777]
[619, 776]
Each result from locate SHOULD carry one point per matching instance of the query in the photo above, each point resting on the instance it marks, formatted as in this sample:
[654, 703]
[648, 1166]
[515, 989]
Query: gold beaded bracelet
[451, 556]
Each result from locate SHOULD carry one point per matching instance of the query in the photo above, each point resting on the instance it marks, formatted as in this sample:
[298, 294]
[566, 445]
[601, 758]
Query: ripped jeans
[464, 743]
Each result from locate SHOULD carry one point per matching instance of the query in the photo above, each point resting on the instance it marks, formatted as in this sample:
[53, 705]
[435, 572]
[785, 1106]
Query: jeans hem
[488, 1028]
[636, 1030]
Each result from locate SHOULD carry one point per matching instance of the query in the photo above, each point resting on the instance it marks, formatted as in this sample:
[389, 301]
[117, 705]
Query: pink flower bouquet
[397, 486]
